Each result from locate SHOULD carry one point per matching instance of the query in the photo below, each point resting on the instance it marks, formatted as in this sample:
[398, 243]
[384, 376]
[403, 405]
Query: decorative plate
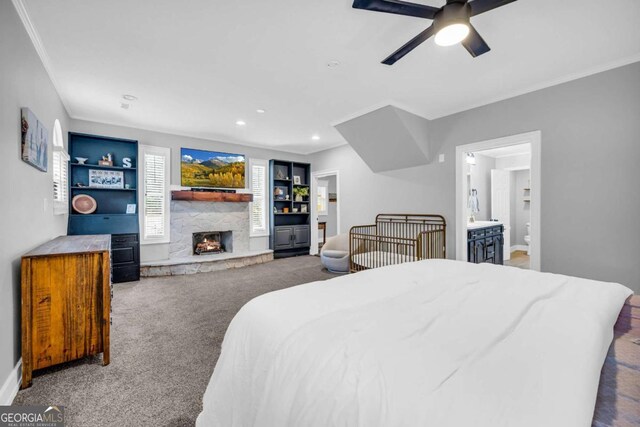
[84, 204]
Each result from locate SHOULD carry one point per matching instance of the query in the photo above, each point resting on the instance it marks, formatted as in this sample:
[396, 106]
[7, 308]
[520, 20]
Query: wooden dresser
[66, 302]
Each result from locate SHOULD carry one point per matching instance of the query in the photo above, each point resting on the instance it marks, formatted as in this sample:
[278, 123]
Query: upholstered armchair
[335, 254]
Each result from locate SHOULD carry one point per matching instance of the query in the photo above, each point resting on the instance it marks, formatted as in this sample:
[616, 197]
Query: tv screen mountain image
[201, 168]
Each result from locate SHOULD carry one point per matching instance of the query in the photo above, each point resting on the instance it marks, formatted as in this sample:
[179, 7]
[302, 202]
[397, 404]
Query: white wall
[332, 208]
[519, 161]
[522, 209]
[590, 156]
[26, 217]
[481, 182]
[175, 142]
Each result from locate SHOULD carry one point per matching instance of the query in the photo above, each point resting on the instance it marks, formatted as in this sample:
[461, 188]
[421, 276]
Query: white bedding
[432, 343]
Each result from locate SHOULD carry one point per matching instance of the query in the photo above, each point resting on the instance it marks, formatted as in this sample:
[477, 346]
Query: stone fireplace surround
[188, 217]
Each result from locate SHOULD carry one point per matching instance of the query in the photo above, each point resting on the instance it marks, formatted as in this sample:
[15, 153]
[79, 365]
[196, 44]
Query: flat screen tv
[211, 169]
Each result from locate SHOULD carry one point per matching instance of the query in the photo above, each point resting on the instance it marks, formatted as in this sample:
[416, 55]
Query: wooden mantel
[211, 196]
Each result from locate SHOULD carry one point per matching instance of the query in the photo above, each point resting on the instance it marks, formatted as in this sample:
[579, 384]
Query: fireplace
[212, 242]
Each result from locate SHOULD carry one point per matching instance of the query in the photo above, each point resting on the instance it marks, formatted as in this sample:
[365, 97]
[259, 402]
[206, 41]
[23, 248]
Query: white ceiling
[198, 66]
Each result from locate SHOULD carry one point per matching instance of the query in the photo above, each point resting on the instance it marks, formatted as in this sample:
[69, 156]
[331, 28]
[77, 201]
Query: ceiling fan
[451, 22]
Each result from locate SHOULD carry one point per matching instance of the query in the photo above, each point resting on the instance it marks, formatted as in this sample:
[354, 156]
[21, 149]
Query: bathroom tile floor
[518, 259]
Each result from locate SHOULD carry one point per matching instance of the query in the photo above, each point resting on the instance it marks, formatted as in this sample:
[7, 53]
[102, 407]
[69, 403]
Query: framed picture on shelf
[280, 193]
[131, 208]
[296, 180]
[303, 208]
[106, 179]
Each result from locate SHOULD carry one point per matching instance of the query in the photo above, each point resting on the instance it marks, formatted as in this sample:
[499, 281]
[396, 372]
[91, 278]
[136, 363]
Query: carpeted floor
[165, 341]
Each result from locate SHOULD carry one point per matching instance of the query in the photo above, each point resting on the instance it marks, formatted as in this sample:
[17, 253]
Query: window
[259, 204]
[155, 194]
[60, 172]
[323, 197]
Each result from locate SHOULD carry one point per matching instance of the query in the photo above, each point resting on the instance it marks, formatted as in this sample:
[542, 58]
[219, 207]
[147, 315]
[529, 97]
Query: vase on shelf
[298, 198]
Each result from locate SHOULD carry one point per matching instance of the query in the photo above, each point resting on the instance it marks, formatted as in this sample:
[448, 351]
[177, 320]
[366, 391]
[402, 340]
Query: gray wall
[25, 221]
[332, 218]
[481, 181]
[590, 156]
[175, 142]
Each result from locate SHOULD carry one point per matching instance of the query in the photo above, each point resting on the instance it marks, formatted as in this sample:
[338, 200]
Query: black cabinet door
[480, 251]
[283, 237]
[125, 258]
[489, 250]
[498, 243]
[301, 236]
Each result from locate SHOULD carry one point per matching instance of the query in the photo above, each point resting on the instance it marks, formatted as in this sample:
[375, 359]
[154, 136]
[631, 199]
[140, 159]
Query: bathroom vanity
[485, 242]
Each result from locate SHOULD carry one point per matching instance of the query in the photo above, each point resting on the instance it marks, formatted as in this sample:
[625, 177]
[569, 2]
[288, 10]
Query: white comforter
[432, 343]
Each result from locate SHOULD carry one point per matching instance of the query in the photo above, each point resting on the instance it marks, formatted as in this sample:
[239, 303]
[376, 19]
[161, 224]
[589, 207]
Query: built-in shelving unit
[110, 216]
[290, 231]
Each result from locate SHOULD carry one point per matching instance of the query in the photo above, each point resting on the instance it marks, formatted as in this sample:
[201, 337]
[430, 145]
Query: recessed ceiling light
[332, 64]
[240, 122]
[316, 137]
[124, 105]
[130, 97]
[260, 110]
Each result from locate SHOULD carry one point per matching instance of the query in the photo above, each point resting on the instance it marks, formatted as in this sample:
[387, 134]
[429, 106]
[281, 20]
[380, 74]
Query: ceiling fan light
[452, 34]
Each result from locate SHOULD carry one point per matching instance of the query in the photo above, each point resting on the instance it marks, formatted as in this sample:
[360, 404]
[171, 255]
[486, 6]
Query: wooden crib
[395, 239]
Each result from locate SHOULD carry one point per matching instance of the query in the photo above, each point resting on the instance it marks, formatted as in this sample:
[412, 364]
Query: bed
[429, 343]
[396, 239]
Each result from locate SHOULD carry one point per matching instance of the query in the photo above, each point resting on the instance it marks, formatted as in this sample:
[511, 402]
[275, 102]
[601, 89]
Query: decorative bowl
[81, 160]
[84, 204]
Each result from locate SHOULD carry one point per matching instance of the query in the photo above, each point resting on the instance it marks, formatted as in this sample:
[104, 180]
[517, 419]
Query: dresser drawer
[476, 234]
[492, 231]
[125, 255]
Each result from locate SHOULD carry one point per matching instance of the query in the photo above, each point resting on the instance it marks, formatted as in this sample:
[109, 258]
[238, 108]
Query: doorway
[503, 175]
[325, 208]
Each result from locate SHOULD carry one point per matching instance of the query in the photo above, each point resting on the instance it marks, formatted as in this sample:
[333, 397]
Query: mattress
[429, 343]
[374, 259]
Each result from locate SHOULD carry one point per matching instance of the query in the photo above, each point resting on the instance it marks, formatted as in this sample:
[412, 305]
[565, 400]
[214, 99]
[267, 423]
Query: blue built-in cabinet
[111, 215]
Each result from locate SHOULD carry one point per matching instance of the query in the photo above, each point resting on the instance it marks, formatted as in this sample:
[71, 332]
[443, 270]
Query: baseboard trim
[11, 385]
[519, 248]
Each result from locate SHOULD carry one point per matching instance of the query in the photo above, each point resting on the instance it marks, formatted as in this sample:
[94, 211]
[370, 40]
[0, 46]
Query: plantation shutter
[60, 181]
[60, 172]
[155, 215]
[258, 206]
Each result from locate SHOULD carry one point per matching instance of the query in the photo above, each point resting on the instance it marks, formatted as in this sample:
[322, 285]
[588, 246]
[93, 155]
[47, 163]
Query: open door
[501, 205]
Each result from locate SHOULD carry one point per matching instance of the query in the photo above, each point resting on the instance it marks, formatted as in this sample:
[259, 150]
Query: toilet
[527, 238]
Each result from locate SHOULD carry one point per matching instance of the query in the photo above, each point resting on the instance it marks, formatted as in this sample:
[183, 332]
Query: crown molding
[23, 13]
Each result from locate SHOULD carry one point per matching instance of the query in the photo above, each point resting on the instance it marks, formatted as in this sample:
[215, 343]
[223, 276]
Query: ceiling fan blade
[409, 46]
[474, 43]
[397, 7]
[482, 6]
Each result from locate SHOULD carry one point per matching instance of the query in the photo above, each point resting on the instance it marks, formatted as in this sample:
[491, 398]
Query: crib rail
[395, 239]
